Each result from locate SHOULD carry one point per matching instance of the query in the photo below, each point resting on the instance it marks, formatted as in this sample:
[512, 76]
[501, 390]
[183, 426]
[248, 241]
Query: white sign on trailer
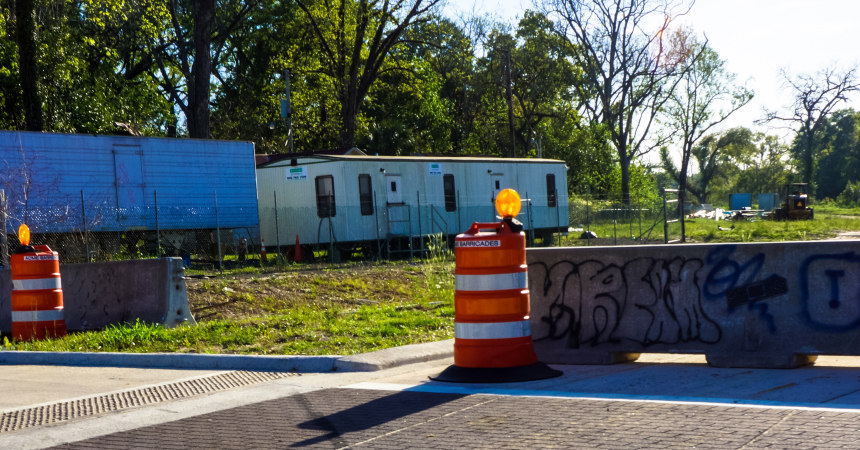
[297, 173]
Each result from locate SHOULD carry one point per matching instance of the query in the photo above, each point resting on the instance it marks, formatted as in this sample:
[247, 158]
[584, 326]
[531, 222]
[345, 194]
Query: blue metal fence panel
[55, 181]
[740, 201]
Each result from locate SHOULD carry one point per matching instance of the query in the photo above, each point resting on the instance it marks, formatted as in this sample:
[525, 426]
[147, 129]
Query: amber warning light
[24, 235]
[508, 203]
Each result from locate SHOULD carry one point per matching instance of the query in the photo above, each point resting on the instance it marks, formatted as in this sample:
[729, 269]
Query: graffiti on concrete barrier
[727, 273]
[737, 282]
[646, 300]
[830, 291]
[772, 286]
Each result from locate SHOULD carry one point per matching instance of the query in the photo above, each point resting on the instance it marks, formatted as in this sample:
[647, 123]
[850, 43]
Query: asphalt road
[662, 401]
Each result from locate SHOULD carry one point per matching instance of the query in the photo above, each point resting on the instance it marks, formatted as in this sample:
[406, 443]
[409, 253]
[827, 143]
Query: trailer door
[128, 176]
[394, 189]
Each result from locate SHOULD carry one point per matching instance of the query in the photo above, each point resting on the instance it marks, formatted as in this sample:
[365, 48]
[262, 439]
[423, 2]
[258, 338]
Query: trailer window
[325, 196]
[365, 194]
[450, 193]
[551, 199]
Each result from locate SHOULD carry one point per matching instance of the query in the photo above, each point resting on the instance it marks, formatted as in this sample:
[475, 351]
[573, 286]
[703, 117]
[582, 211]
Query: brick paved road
[337, 418]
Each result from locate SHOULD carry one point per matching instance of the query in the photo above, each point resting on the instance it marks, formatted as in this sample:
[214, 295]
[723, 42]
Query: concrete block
[96, 295]
[774, 305]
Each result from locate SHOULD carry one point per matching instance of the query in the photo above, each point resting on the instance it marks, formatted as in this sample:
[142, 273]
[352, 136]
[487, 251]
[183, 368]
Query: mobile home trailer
[350, 201]
[180, 190]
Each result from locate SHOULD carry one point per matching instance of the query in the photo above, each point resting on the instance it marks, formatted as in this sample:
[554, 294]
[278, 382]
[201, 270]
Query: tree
[355, 37]
[713, 155]
[11, 116]
[815, 97]
[619, 44]
[705, 97]
[25, 34]
[764, 169]
[82, 84]
[839, 153]
[188, 54]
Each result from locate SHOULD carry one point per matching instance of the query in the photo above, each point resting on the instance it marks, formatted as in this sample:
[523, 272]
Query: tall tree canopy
[354, 39]
[619, 45]
[815, 97]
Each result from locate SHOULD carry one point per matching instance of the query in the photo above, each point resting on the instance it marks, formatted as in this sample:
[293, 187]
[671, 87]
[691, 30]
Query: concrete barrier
[99, 294]
[763, 305]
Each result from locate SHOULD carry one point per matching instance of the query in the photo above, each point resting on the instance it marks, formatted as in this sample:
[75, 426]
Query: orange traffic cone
[263, 250]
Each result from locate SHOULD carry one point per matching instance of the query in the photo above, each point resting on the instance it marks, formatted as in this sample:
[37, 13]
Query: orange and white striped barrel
[37, 295]
[491, 300]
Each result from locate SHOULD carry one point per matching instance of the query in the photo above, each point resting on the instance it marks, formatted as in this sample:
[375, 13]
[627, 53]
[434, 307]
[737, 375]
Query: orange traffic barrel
[37, 295]
[492, 331]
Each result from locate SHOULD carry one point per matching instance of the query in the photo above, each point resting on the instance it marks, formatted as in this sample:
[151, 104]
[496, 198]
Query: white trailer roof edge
[305, 159]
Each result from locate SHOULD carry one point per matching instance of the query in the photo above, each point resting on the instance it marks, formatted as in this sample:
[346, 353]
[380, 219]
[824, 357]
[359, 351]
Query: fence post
[639, 215]
[218, 233]
[558, 215]
[420, 235]
[83, 222]
[157, 228]
[588, 215]
[4, 238]
[459, 207]
[277, 231]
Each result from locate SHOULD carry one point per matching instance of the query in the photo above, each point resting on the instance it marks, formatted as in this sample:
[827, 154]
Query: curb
[364, 362]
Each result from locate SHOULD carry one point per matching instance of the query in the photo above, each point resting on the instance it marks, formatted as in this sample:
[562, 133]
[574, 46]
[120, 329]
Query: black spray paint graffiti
[646, 300]
[830, 291]
[737, 283]
[773, 286]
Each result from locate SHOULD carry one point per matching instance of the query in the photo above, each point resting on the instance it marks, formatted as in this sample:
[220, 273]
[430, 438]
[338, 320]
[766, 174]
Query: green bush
[850, 197]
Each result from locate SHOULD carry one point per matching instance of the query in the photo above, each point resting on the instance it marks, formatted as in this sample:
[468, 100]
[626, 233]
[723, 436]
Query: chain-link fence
[226, 235]
[207, 233]
[608, 220]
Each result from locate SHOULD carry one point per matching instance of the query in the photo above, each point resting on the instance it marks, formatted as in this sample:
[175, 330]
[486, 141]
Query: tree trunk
[808, 161]
[198, 92]
[509, 99]
[25, 33]
[624, 163]
[349, 110]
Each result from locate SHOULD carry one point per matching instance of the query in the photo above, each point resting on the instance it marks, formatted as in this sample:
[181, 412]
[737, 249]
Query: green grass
[829, 221]
[339, 310]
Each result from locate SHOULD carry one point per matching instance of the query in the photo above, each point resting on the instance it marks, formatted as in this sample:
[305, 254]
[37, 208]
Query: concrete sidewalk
[36, 378]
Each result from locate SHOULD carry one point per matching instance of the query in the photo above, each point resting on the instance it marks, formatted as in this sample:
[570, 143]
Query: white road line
[439, 388]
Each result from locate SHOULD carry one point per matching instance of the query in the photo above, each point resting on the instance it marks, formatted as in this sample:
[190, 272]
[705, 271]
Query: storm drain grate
[73, 409]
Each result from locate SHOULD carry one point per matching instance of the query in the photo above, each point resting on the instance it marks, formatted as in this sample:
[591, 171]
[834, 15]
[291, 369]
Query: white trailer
[387, 203]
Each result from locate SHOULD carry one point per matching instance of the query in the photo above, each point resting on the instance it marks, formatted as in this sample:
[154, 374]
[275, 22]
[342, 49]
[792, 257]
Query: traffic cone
[263, 250]
[298, 256]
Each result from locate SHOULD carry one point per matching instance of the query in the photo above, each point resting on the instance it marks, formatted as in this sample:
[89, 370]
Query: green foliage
[850, 196]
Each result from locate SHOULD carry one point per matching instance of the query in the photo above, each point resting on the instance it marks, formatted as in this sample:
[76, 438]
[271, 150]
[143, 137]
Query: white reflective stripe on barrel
[36, 284]
[495, 282]
[37, 316]
[496, 330]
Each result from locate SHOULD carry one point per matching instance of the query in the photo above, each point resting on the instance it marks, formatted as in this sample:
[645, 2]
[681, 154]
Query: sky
[756, 38]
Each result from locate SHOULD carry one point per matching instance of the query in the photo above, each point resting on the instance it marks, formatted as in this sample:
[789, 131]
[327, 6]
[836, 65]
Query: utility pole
[509, 96]
[287, 111]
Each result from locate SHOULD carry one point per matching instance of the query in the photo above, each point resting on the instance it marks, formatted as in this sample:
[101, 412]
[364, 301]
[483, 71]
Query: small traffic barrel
[263, 250]
[492, 331]
[37, 294]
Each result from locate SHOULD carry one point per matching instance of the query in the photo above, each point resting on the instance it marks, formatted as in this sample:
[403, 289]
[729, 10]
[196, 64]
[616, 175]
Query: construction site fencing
[609, 220]
[87, 229]
[225, 234]
[378, 229]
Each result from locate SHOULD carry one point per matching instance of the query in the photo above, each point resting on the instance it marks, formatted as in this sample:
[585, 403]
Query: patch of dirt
[236, 296]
